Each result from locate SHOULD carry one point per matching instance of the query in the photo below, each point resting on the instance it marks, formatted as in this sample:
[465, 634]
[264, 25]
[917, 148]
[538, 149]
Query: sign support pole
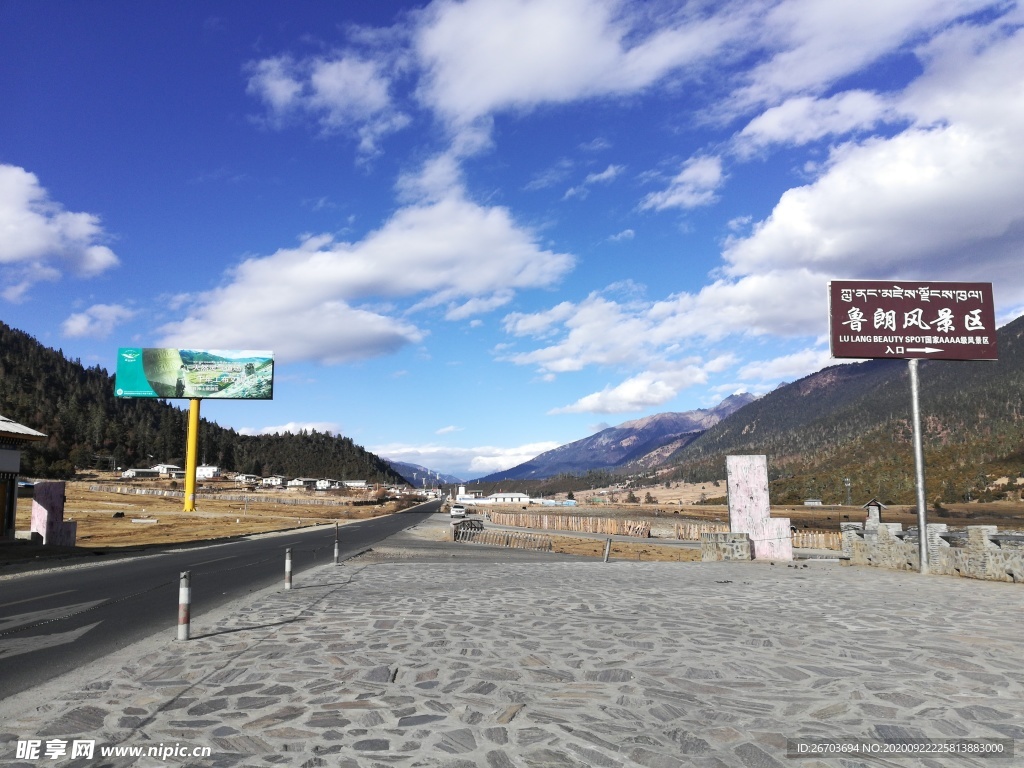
[191, 453]
[922, 511]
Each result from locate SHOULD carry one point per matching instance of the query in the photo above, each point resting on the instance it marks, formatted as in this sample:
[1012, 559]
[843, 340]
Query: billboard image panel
[195, 373]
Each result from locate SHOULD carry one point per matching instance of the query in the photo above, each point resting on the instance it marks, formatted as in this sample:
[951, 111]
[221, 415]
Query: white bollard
[288, 568]
[607, 549]
[184, 605]
[337, 550]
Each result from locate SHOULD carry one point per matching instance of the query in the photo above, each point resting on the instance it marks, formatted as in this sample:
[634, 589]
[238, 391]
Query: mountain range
[854, 421]
[642, 443]
[414, 474]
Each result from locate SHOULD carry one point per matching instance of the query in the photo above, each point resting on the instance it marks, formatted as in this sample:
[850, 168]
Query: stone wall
[983, 553]
[724, 546]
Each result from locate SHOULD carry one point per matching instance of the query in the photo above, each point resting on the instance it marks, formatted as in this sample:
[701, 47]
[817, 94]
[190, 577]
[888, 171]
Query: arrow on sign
[926, 350]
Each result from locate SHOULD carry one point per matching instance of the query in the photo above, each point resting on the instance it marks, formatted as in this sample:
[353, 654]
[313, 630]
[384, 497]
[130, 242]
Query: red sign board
[933, 321]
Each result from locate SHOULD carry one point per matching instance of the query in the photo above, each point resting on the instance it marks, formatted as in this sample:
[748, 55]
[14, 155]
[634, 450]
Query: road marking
[16, 646]
[41, 597]
[216, 560]
[49, 614]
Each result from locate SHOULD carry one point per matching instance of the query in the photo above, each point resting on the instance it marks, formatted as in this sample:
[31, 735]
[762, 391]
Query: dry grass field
[214, 519]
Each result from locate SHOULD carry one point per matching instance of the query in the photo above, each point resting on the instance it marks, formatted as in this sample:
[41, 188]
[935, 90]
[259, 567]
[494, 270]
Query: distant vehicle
[458, 510]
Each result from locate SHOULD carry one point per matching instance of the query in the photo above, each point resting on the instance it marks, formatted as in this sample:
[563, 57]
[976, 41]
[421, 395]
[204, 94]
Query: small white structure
[207, 472]
[165, 470]
[360, 484]
[248, 479]
[812, 502]
[139, 473]
[326, 484]
[302, 482]
[274, 481]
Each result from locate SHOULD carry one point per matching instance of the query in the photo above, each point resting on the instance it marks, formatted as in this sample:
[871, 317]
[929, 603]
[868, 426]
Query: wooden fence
[801, 539]
[575, 523]
[251, 498]
[818, 540]
[510, 539]
[692, 531]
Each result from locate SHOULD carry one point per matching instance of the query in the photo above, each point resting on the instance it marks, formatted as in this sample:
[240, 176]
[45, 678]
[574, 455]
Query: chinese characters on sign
[935, 321]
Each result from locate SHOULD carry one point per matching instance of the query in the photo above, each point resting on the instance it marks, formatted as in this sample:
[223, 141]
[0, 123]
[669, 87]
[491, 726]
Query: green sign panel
[195, 373]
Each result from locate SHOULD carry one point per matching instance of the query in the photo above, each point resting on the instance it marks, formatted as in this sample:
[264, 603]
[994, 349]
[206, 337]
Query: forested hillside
[88, 427]
[854, 421]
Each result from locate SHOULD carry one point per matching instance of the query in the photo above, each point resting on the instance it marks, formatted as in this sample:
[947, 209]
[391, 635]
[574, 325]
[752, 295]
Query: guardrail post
[607, 549]
[337, 551]
[184, 605]
[288, 568]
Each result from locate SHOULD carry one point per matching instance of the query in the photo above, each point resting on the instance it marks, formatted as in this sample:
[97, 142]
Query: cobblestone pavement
[398, 662]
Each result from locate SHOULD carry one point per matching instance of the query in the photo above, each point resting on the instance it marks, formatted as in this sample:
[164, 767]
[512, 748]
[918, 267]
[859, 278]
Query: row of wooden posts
[574, 523]
[185, 588]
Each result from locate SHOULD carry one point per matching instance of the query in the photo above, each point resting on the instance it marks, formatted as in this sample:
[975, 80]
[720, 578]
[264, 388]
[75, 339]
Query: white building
[505, 497]
[165, 470]
[326, 484]
[207, 472]
[274, 481]
[302, 482]
[360, 484]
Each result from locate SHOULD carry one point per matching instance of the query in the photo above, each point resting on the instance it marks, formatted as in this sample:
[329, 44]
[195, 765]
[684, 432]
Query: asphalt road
[55, 621]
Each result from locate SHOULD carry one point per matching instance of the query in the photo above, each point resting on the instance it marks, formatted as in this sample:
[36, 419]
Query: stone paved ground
[460, 663]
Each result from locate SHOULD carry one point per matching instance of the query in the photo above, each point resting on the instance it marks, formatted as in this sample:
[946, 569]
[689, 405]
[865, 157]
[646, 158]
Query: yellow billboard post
[191, 452]
[223, 374]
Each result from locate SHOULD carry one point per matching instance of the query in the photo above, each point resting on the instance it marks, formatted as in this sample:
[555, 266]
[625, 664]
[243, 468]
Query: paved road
[426, 653]
[55, 621]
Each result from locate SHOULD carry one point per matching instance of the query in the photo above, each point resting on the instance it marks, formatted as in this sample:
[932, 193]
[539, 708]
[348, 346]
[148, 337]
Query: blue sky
[473, 231]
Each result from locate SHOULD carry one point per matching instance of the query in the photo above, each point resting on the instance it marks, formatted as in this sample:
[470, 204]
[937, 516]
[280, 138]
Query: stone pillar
[937, 561]
[849, 531]
[48, 516]
[750, 511]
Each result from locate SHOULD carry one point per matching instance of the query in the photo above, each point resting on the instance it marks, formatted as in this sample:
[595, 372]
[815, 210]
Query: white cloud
[448, 430]
[294, 427]
[98, 321]
[40, 238]
[645, 390]
[811, 44]
[478, 306]
[344, 92]
[598, 331]
[626, 234]
[695, 185]
[803, 119]
[787, 367]
[603, 177]
[485, 56]
[306, 302]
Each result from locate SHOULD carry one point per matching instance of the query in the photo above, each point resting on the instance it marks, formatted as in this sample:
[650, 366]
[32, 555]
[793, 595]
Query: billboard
[904, 319]
[195, 373]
